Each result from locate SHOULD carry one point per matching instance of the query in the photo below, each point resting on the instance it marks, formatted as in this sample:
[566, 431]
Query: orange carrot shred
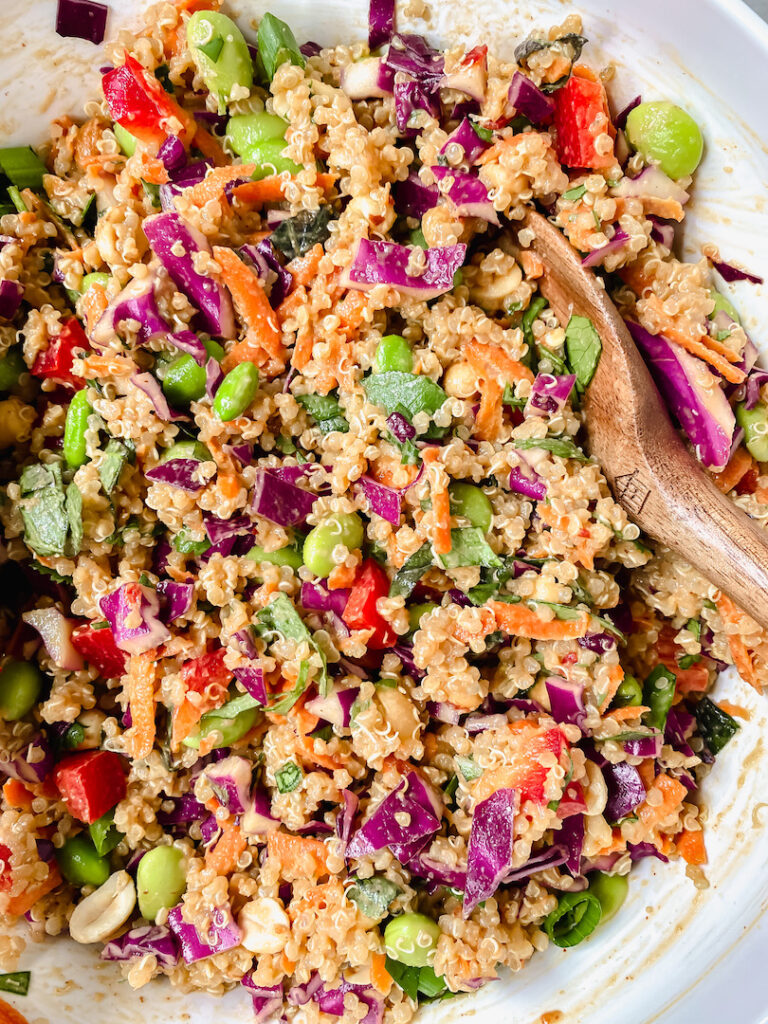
[141, 682]
[441, 505]
[223, 857]
[740, 463]
[690, 846]
[212, 185]
[263, 339]
[520, 620]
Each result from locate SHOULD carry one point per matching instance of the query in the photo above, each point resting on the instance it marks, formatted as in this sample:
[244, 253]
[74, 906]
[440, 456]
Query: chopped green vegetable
[576, 916]
[397, 391]
[16, 198]
[416, 981]
[297, 235]
[325, 410]
[563, 446]
[575, 193]
[716, 726]
[288, 777]
[286, 702]
[280, 618]
[104, 834]
[373, 895]
[583, 348]
[277, 44]
[469, 547]
[187, 545]
[468, 767]
[116, 454]
[658, 694]
[17, 983]
[411, 571]
[22, 166]
[533, 311]
[52, 515]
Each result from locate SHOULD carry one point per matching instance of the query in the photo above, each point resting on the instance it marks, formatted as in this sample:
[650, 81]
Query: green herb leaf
[288, 777]
[373, 895]
[468, 767]
[212, 49]
[411, 571]
[658, 694]
[469, 547]
[22, 166]
[73, 505]
[286, 702]
[483, 133]
[716, 726]
[104, 834]
[116, 454]
[563, 446]
[281, 618]
[575, 193]
[276, 45]
[17, 983]
[583, 347]
[536, 307]
[406, 977]
[297, 235]
[52, 517]
[571, 43]
[325, 411]
[396, 391]
[187, 545]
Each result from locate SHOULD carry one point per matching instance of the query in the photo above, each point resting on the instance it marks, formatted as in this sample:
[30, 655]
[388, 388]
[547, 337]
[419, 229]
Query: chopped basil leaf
[411, 571]
[288, 777]
[573, 42]
[564, 447]
[325, 411]
[104, 834]
[688, 659]
[281, 618]
[187, 545]
[297, 235]
[416, 981]
[468, 767]
[583, 348]
[373, 895]
[52, 516]
[396, 390]
[116, 454]
[212, 49]
[716, 726]
[533, 311]
[469, 547]
[286, 702]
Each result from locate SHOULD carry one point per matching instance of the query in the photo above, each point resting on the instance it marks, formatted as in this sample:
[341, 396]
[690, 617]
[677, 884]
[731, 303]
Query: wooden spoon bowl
[651, 472]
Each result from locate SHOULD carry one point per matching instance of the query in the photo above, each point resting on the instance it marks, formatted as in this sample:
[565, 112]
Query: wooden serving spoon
[629, 432]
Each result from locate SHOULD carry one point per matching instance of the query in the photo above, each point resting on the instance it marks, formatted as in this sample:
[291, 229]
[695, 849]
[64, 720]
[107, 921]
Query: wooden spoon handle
[651, 473]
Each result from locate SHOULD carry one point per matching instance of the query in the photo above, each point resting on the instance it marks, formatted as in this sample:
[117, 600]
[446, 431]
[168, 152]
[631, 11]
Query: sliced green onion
[288, 777]
[277, 44]
[16, 983]
[22, 166]
[576, 916]
[15, 196]
[658, 694]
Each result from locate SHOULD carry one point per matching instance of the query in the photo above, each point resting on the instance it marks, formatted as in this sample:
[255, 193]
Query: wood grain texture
[652, 474]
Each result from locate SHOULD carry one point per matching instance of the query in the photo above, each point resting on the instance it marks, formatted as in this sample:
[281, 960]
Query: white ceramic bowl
[674, 955]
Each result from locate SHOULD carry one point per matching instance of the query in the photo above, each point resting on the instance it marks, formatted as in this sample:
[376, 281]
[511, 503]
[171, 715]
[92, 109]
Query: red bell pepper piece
[572, 801]
[5, 867]
[99, 649]
[207, 673]
[90, 783]
[581, 114]
[360, 612]
[55, 363]
[530, 774]
[138, 102]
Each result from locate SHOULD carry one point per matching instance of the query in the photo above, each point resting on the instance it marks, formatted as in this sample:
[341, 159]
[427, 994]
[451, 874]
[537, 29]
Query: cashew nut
[265, 926]
[100, 915]
[596, 792]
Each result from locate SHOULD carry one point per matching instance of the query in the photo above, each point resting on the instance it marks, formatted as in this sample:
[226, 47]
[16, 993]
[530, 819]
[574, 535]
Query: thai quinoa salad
[339, 674]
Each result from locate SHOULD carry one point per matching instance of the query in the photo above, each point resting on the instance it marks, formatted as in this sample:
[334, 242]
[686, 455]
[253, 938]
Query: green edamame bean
[270, 159]
[724, 303]
[20, 686]
[472, 503]
[284, 556]
[411, 939]
[611, 890]
[186, 450]
[244, 131]
[666, 133]
[236, 391]
[755, 424]
[230, 730]
[344, 528]
[12, 366]
[393, 353]
[183, 381]
[417, 612]
[126, 141]
[629, 693]
[213, 349]
[220, 53]
[161, 880]
[91, 279]
[80, 863]
[75, 427]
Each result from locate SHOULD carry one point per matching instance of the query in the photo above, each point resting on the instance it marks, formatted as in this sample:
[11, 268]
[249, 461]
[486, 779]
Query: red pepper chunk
[99, 649]
[207, 673]
[90, 783]
[581, 115]
[55, 363]
[360, 612]
[138, 102]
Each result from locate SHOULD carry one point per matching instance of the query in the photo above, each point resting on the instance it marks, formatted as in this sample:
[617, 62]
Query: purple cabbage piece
[216, 123]
[187, 808]
[647, 746]
[381, 500]
[381, 22]
[332, 1001]
[413, 55]
[694, 395]
[410, 98]
[188, 341]
[621, 118]
[280, 501]
[264, 260]
[637, 851]
[405, 654]
[310, 49]
[122, 605]
[242, 452]
[180, 473]
[386, 263]
[444, 712]
[567, 701]
[528, 99]
[176, 598]
[530, 484]
[549, 394]
[214, 375]
[46, 851]
[470, 142]
[549, 857]
[730, 273]
[258, 819]
[317, 597]
[625, 790]
[346, 816]
[267, 1002]
[413, 198]
[621, 617]
[402, 429]
[414, 798]
[230, 781]
[434, 871]
[224, 548]
[209, 829]
[166, 233]
[11, 293]
[151, 939]
[752, 387]
[572, 836]
[217, 529]
[299, 995]
[146, 382]
[82, 19]
[662, 232]
[366, 79]
[489, 854]
[530, 707]
[224, 934]
[172, 154]
[251, 677]
[34, 762]
[599, 643]
[190, 174]
[459, 597]
[468, 194]
[617, 242]
[677, 728]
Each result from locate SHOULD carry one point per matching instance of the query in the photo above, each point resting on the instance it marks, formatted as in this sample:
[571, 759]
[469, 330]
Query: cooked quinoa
[340, 674]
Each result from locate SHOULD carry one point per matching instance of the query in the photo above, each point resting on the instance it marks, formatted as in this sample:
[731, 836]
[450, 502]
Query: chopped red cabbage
[82, 19]
[346, 817]
[181, 473]
[405, 654]
[187, 808]
[549, 857]
[55, 631]
[467, 138]
[662, 232]
[694, 395]
[528, 99]
[252, 678]
[572, 836]
[310, 49]
[730, 273]
[122, 606]
[336, 708]
[599, 643]
[280, 501]
[316, 597]
[217, 529]
[529, 484]
[230, 780]
[185, 177]
[549, 394]
[387, 262]
[332, 1001]
[637, 851]
[491, 841]
[621, 118]
[267, 1002]
[363, 80]
[148, 940]
[444, 712]
[434, 871]
[223, 931]
[151, 387]
[402, 429]
[176, 598]
[135, 302]
[413, 198]
[299, 995]
[214, 375]
[470, 76]
[413, 800]
[242, 452]
[381, 500]
[172, 154]
[258, 820]
[617, 242]
[413, 55]
[677, 728]
[167, 232]
[277, 280]
[625, 790]
[410, 98]
[34, 762]
[647, 746]
[468, 194]
[567, 701]
[381, 22]
[11, 293]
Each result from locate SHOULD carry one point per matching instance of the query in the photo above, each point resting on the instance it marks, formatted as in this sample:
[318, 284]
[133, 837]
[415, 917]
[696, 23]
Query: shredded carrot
[615, 679]
[263, 333]
[212, 185]
[141, 681]
[288, 966]
[9, 1015]
[305, 342]
[303, 269]
[616, 845]
[734, 709]
[694, 679]
[647, 772]
[742, 657]
[351, 312]
[389, 470]
[632, 711]
[92, 304]
[706, 348]
[492, 360]
[272, 189]
[18, 905]
[672, 792]
[441, 504]
[223, 857]
[520, 620]
[300, 857]
[341, 576]
[306, 750]
[741, 462]
[381, 979]
[152, 169]
[318, 898]
[291, 305]
[95, 366]
[690, 846]
[495, 152]
[669, 209]
[490, 414]
[17, 796]
[210, 147]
